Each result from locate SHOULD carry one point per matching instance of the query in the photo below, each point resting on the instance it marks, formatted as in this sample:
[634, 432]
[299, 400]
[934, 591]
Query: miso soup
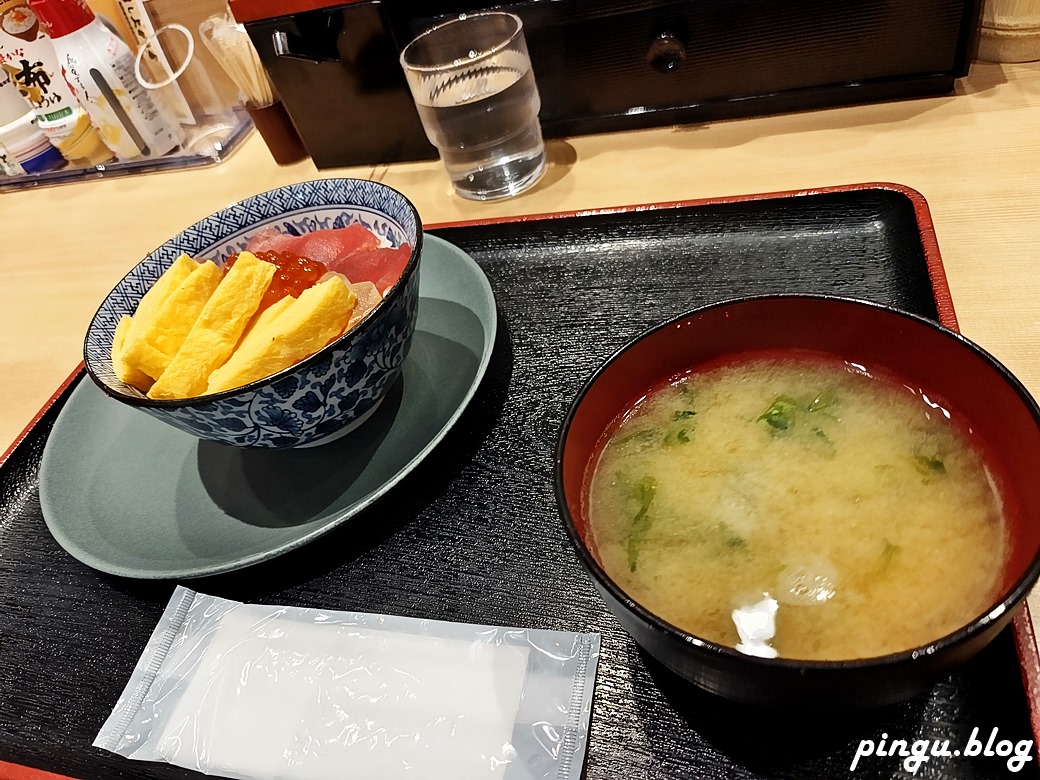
[797, 506]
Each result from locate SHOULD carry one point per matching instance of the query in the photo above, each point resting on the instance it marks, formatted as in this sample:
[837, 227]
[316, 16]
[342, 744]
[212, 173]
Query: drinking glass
[475, 91]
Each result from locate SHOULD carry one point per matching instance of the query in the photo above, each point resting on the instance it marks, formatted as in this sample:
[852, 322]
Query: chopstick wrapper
[262, 692]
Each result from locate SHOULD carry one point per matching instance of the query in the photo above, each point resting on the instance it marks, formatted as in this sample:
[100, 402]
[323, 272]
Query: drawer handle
[666, 53]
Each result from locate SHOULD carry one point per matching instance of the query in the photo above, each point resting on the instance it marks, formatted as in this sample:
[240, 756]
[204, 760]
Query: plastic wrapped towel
[267, 692]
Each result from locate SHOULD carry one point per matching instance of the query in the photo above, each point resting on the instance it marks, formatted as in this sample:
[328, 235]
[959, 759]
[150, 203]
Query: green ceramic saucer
[132, 496]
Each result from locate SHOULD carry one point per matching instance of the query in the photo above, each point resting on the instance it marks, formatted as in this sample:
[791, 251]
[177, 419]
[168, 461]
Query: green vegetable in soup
[731, 538]
[642, 494]
[889, 550]
[930, 465]
[680, 431]
[780, 414]
[804, 416]
[677, 436]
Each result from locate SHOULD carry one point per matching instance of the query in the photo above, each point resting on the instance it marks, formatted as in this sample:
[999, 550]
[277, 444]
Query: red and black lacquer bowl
[985, 394]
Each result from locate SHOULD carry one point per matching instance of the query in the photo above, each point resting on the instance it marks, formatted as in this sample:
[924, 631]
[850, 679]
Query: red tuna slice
[325, 246]
[382, 266]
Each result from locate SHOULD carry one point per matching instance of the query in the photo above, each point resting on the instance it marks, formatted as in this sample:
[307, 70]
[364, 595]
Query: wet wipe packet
[263, 692]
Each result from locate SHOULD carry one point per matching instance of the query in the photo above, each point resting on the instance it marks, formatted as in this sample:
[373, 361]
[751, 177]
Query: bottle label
[54, 116]
[123, 67]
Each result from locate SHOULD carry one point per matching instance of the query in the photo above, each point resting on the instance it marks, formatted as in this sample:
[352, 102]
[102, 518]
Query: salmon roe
[294, 274]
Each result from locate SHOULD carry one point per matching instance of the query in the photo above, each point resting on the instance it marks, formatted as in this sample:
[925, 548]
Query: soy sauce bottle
[99, 69]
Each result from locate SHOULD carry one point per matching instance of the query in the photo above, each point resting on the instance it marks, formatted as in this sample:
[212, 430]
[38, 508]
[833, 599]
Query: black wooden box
[610, 65]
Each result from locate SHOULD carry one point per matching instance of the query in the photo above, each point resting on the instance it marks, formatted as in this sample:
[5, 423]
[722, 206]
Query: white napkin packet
[279, 693]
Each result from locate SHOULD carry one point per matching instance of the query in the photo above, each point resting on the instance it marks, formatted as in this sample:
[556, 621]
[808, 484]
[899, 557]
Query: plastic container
[27, 147]
[99, 67]
[48, 159]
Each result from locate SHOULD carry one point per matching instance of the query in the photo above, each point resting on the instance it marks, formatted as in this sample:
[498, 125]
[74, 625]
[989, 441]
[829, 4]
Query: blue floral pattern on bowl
[320, 397]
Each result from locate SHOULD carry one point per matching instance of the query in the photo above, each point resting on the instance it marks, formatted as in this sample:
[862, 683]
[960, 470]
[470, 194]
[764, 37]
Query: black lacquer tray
[473, 534]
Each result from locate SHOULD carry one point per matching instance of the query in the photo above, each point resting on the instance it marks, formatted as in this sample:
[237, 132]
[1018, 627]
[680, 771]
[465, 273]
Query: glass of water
[473, 85]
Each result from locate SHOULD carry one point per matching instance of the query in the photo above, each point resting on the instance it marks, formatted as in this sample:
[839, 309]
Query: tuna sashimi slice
[382, 266]
[320, 245]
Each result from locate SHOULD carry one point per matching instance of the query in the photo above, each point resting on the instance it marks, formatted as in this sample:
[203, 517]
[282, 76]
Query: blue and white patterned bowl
[319, 398]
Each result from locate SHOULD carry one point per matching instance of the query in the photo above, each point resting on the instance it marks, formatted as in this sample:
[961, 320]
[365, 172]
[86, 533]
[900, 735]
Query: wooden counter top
[974, 155]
